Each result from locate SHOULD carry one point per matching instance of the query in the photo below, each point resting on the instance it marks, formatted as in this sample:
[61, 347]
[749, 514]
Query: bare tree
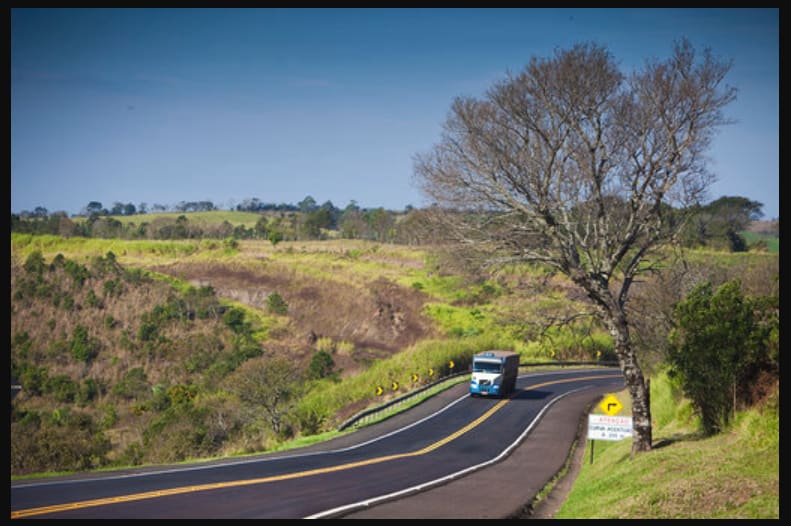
[576, 165]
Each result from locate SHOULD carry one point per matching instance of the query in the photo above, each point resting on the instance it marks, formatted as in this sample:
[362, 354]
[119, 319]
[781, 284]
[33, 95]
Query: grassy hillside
[130, 351]
[135, 343]
[733, 475]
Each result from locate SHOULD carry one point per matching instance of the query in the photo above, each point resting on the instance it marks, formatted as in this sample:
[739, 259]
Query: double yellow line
[237, 483]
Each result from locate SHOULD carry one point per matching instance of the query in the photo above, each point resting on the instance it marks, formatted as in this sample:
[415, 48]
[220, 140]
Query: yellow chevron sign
[611, 405]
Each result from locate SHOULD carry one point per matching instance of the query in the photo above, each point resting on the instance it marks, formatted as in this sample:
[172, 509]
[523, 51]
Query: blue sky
[160, 106]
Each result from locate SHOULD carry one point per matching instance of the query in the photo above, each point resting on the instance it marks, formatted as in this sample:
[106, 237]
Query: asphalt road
[452, 456]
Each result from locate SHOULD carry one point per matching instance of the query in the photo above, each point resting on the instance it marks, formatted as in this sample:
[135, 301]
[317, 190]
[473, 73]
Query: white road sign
[605, 427]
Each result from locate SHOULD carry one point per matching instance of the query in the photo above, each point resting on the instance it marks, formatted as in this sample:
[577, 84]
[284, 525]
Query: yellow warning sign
[611, 405]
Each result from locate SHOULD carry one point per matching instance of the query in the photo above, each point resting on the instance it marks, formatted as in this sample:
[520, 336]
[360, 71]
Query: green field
[247, 219]
[772, 243]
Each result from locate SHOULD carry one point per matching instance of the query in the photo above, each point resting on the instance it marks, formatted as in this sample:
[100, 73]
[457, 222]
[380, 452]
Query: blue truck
[494, 373]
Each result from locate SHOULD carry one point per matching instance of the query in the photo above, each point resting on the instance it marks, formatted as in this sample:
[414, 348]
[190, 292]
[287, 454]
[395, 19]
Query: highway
[399, 456]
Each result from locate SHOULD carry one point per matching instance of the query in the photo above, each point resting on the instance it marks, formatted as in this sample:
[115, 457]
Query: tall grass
[23, 244]
[735, 474]
[213, 217]
[327, 397]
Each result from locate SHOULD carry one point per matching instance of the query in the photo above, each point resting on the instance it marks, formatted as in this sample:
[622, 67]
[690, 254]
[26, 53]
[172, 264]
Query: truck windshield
[486, 367]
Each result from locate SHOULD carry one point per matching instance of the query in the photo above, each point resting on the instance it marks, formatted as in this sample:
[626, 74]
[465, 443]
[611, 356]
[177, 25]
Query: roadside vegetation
[133, 352]
[734, 474]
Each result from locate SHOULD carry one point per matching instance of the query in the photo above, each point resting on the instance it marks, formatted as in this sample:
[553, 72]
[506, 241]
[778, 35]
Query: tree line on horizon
[716, 225]
[254, 204]
[306, 220]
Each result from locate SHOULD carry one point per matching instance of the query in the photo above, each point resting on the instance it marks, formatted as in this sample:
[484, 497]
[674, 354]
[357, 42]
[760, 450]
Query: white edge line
[426, 485]
[24, 484]
[246, 461]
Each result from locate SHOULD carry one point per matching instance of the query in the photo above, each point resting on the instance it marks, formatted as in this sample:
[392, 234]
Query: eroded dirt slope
[366, 322]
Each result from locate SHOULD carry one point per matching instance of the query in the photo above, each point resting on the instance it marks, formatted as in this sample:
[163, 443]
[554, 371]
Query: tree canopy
[580, 166]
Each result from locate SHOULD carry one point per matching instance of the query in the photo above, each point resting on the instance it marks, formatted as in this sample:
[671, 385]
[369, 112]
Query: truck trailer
[494, 373]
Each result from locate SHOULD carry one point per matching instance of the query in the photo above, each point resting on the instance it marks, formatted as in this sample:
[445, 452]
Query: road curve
[443, 444]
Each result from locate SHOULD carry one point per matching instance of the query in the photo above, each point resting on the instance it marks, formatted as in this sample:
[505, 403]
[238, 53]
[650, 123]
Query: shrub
[321, 365]
[112, 287]
[234, 318]
[34, 264]
[83, 348]
[32, 379]
[713, 344]
[89, 391]
[310, 418]
[93, 300]
[62, 388]
[276, 303]
[64, 441]
[21, 344]
[77, 272]
[275, 237]
[148, 332]
[134, 385]
[182, 394]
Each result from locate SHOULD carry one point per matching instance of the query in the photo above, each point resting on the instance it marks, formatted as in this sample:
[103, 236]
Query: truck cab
[494, 373]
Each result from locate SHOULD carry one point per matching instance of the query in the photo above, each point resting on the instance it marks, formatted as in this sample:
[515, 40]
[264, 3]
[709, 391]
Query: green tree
[307, 205]
[380, 223]
[710, 346]
[315, 221]
[720, 223]
[83, 348]
[272, 385]
[94, 208]
[352, 223]
[261, 228]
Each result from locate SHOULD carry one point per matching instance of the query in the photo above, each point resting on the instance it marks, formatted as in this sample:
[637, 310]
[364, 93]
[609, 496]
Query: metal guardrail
[370, 412]
[396, 401]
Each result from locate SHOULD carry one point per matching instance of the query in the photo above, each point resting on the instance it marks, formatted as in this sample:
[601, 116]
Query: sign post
[609, 426]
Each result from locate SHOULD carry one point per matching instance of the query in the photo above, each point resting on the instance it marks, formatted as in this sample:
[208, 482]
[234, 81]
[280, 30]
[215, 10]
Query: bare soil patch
[382, 318]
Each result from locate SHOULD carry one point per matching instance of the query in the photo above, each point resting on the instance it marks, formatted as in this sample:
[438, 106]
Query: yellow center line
[238, 483]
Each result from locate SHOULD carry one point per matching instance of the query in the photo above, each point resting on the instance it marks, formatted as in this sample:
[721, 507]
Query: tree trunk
[612, 314]
[635, 382]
